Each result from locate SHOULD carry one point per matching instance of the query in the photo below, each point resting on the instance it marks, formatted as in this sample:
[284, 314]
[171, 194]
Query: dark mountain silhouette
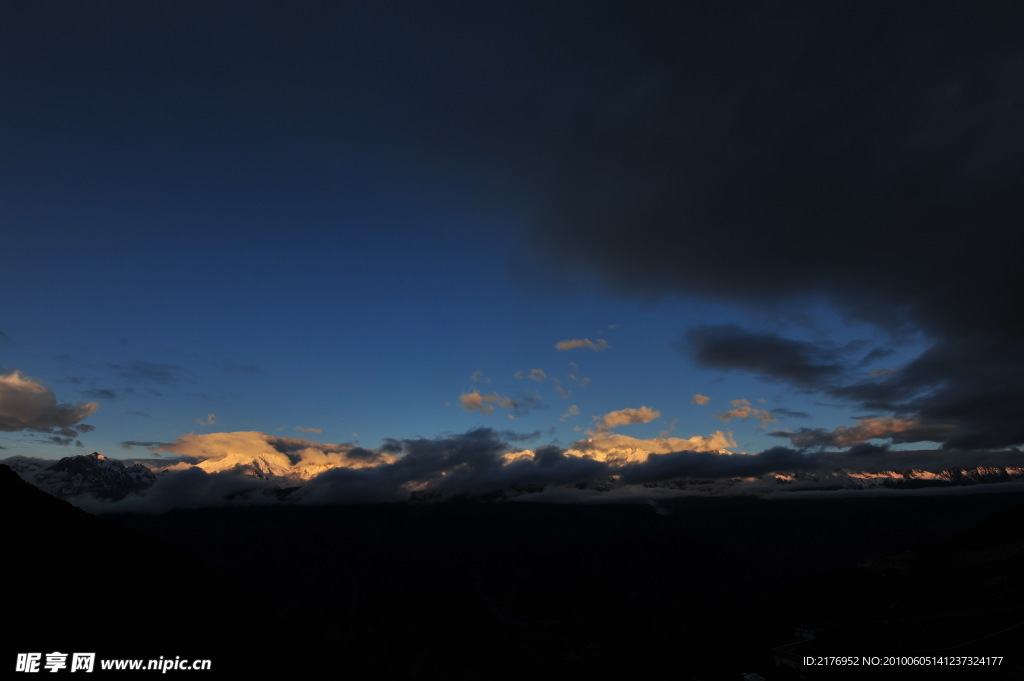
[706, 588]
[77, 583]
[959, 600]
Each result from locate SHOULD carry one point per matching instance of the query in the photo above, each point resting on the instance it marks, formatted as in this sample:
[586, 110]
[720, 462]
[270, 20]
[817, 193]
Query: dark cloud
[767, 355]
[191, 488]
[896, 430]
[769, 151]
[973, 385]
[867, 449]
[100, 394]
[876, 354]
[141, 370]
[513, 436]
[128, 444]
[861, 153]
[874, 458]
[469, 463]
[782, 411]
[362, 454]
[711, 465]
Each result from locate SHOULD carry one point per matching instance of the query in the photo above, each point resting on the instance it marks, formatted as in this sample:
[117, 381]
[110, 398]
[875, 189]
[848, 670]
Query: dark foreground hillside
[705, 588]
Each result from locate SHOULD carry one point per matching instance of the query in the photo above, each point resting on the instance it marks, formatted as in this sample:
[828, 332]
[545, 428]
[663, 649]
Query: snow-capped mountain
[101, 478]
[94, 475]
[266, 467]
[844, 479]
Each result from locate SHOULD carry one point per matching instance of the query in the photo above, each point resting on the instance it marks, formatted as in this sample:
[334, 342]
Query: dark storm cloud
[867, 449]
[973, 384]
[871, 457]
[421, 461]
[860, 152]
[469, 463]
[769, 356]
[863, 150]
[898, 431]
[711, 465]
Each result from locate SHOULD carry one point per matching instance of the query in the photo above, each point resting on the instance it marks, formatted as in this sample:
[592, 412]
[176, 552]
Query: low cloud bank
[256, 468]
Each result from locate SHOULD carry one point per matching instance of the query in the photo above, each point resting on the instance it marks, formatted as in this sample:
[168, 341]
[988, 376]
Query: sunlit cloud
[268, 455]
[28, 405]
[485, 404]
[700, 399]
[600, 345]
[620, 449]
[574, 410]
[479, 377]
[898, 430]
[625, 417]
[742, 410]
[535, 375]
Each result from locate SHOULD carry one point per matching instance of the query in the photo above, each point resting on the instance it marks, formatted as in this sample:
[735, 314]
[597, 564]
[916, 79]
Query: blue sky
[332, 218]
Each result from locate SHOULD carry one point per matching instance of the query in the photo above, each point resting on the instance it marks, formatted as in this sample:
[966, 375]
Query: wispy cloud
[600, 345]
[208, 421]
[149, 444]
[535, 375]
[141, 370]
[700, 399]
[573, 410]
[100, 394]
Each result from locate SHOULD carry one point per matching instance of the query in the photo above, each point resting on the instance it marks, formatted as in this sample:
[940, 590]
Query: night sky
[786, 229]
